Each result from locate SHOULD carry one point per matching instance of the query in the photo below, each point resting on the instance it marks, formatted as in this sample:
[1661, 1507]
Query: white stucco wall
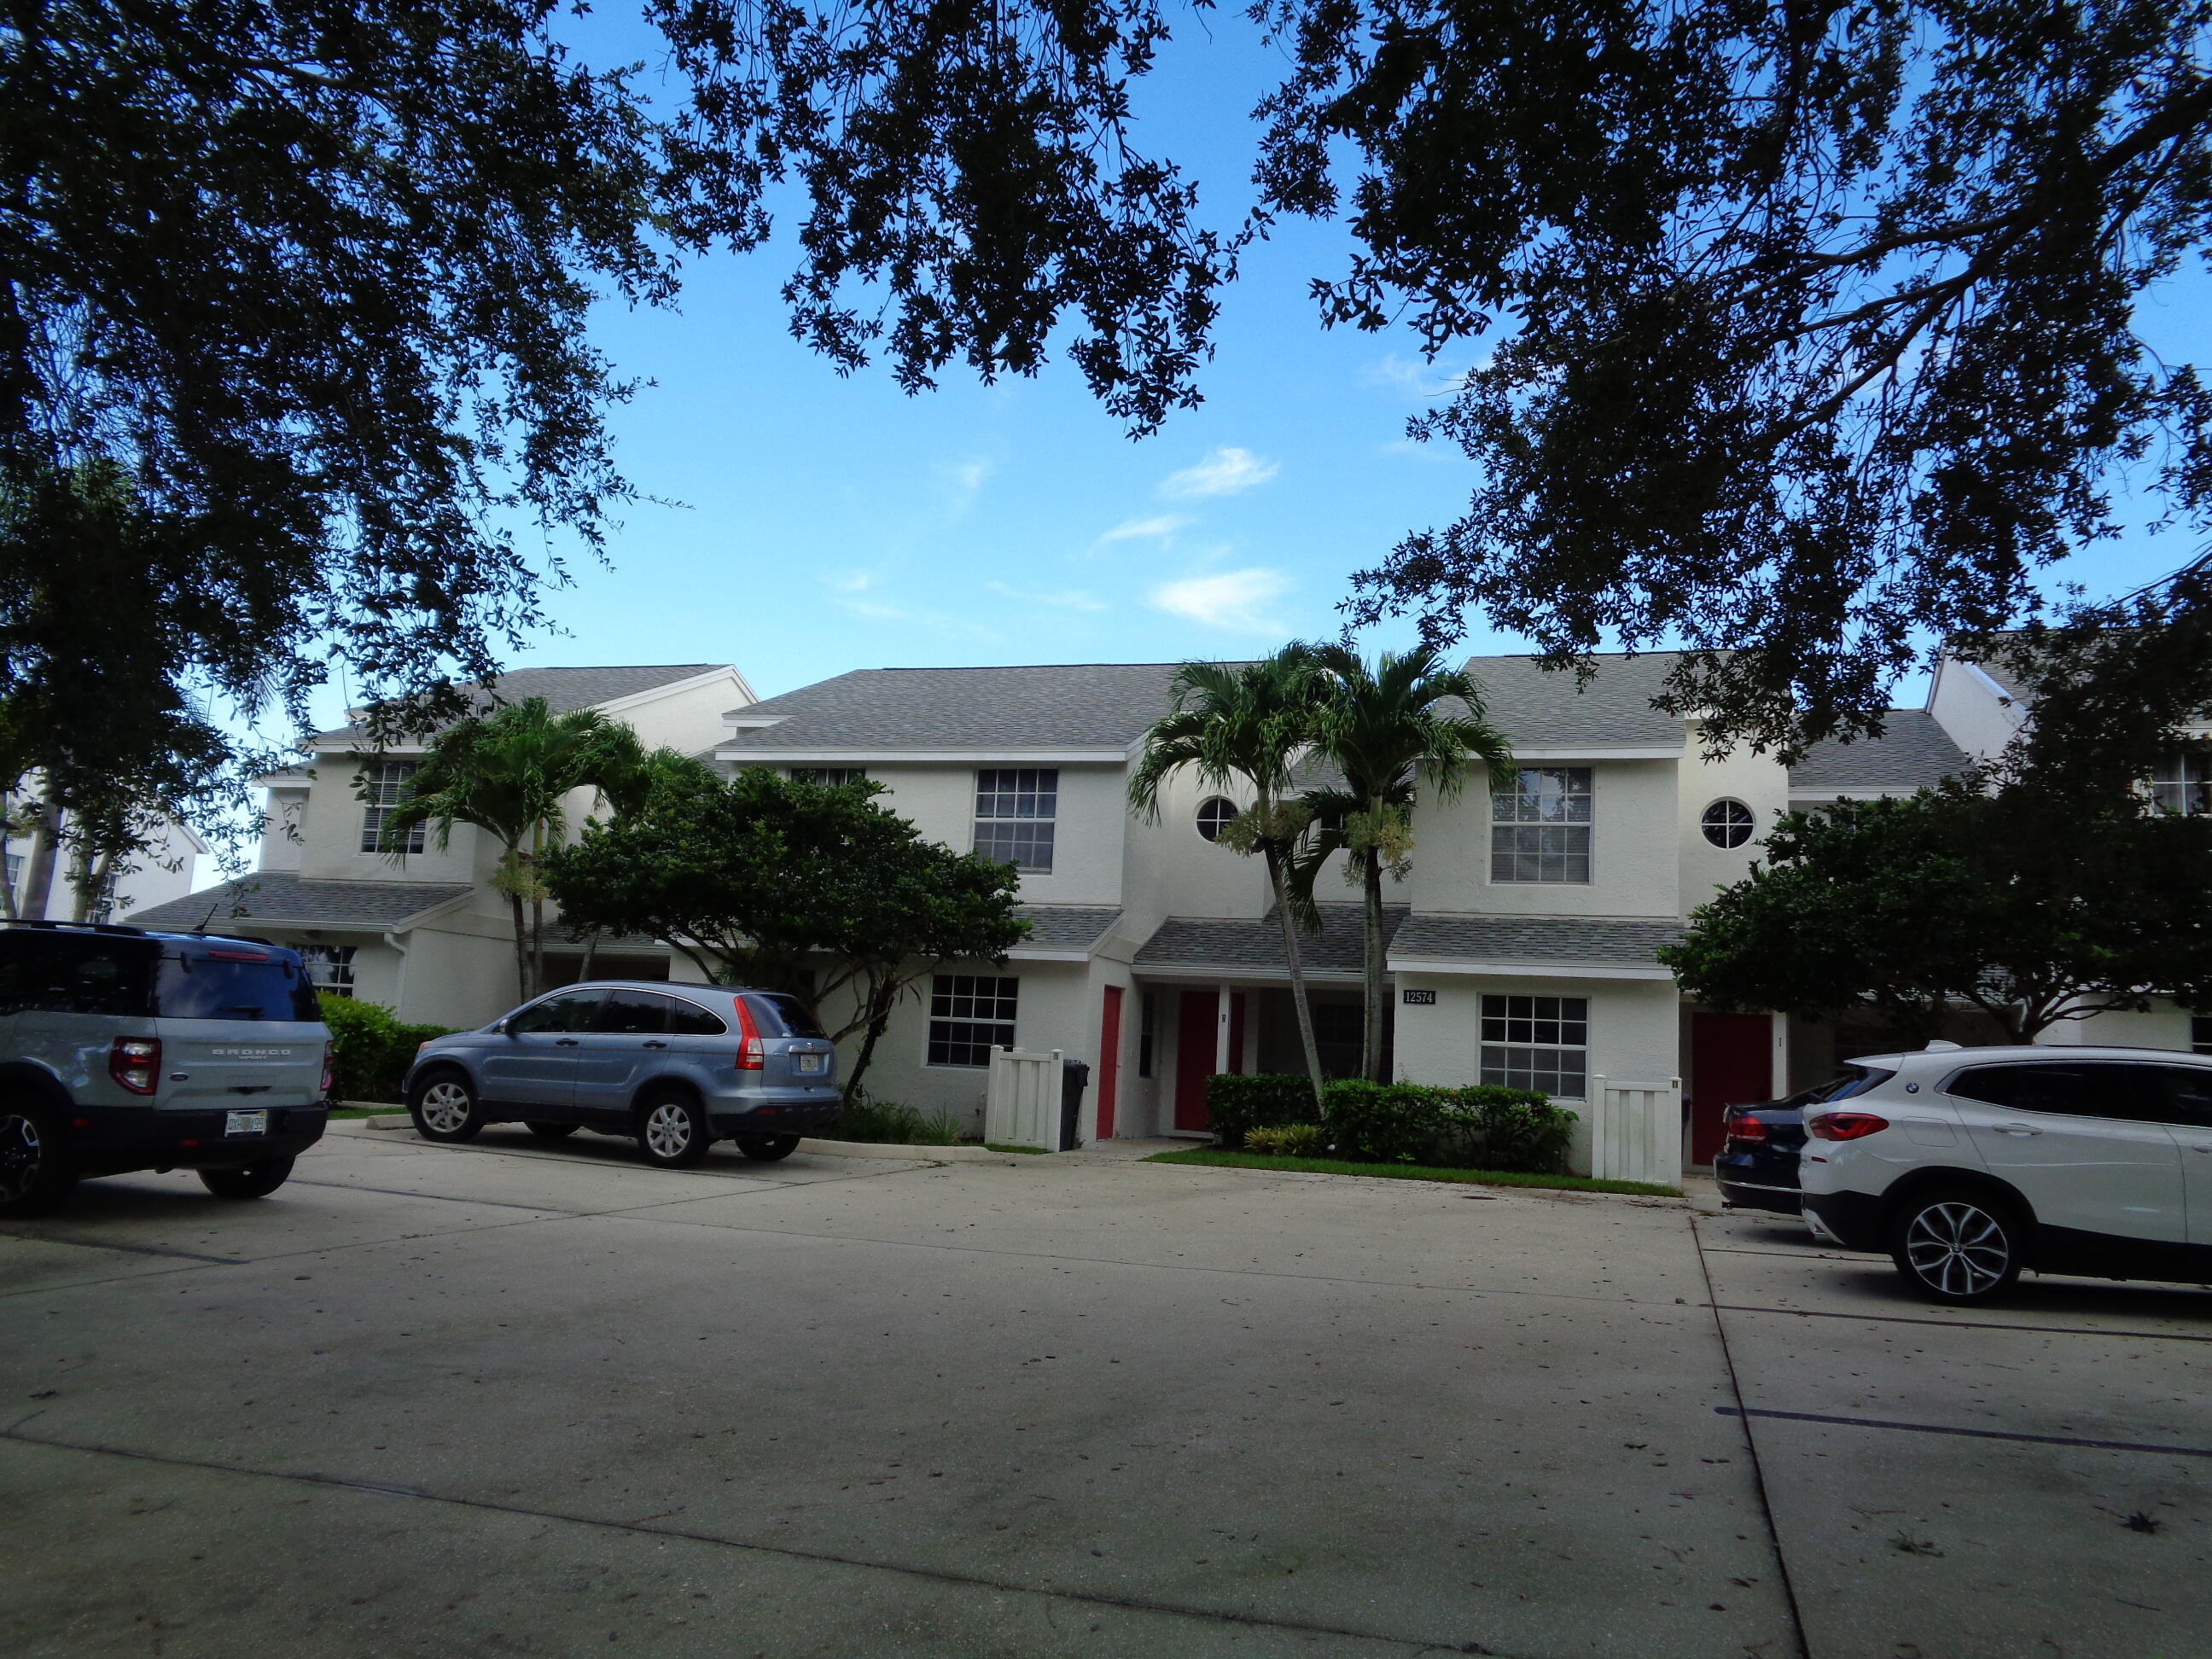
[1973, 709]
[1635, 860]
[1759, 782]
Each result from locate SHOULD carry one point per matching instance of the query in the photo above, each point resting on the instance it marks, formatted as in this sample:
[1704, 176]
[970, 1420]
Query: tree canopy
[788, 885]
[2014, 903]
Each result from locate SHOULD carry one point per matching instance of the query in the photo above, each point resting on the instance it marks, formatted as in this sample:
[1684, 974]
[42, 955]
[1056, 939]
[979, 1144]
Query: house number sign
[1420, 999]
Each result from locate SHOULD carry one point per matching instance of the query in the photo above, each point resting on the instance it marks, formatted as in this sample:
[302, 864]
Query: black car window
[778, 1015]
[637, 1013]
[2189, 1094]
[569, 1012]
[690, 1019]
[1856, 1080]
[241, 984]
[2117, 1090]
[74, 973]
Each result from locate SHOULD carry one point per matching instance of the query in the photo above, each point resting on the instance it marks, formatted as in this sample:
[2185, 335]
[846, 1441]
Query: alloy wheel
[446, 1108]
[21, 1152]
[668, 1130]
[1958, 1248]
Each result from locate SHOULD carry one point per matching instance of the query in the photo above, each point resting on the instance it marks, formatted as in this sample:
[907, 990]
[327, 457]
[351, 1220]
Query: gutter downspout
[399, 987]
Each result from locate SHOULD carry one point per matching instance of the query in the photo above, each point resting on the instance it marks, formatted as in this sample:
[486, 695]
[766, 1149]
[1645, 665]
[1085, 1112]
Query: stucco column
[1221, 1013]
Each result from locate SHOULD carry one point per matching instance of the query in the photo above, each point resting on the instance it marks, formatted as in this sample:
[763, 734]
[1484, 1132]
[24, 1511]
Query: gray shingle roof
[278, 895]
[1213, 942]
[1109, 705]
[1912, 751]
[1573, 941]
[565, 689]
[1068, 927]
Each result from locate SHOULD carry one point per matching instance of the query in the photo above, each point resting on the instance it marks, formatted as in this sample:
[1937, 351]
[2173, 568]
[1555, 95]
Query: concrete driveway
[504, 1399]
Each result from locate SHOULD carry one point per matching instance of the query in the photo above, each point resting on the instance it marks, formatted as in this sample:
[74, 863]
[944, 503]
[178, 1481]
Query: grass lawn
[1219, 1159]
[995, 1146]
[338, 1112]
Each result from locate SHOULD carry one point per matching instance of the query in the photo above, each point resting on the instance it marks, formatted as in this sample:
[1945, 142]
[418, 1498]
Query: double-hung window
[1537, 1042]
[381, 787]
[330, 967]
[1014, 811]
[969, 1015]
[1539, 825]
[2182, 783]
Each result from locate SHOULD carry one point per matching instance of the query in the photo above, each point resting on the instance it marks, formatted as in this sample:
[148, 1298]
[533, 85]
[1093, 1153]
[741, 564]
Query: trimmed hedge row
[370, 1049]
[1478, 1127]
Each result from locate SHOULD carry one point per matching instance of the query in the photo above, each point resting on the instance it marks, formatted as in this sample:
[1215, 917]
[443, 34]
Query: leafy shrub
[1518, 1130]
[1482, 1127]
[371, 1048]
[891, 1123]
[1382, 1122]
[1288, 1140]
[1267, 1100]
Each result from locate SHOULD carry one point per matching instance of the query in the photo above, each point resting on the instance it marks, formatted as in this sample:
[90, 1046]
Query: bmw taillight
[1845, 1126]
[751, 1056]
[330, 1066]
[1746, 1130]
[135, 1063]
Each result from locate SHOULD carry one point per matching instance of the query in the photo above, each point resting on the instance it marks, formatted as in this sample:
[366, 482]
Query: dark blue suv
[675, 1066]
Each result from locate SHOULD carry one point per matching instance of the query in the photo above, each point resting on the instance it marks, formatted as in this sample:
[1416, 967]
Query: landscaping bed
[1218, 1158]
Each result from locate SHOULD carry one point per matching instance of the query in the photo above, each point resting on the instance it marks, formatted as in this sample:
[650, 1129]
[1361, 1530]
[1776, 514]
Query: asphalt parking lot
[504, 1399]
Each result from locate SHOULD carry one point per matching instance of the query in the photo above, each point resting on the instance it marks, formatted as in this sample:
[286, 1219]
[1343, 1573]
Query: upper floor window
[2182, 783]
[1728, 824]
[1541, 825]
[1014, 812]
[381, 787]
[830, 777]
[1215, 814]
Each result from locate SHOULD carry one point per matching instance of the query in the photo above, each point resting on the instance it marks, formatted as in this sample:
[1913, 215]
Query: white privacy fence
[1636, 1130]
[1022, 1105]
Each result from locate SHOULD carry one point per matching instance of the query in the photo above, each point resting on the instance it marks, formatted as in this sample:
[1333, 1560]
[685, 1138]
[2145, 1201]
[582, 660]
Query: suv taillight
[1746, 1129]
[1845, 1126]
[135, 1063]
[330, 1068]
[752, 1057]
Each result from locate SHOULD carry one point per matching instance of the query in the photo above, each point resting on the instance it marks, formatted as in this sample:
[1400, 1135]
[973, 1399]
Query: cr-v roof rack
[88, 926]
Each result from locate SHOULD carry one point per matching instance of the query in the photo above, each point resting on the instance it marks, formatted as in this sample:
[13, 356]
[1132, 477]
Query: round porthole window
[1215, 814]
[1728, 824]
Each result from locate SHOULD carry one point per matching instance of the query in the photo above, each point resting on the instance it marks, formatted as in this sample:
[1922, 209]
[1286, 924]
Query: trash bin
[1074, 1078]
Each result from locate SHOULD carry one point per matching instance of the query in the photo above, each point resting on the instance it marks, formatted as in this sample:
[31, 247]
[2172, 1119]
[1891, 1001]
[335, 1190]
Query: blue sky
[814, 524]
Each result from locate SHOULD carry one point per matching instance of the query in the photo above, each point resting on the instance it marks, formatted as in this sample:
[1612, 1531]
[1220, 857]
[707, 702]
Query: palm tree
[1244, 724]
[1407, 721]
[509, 774]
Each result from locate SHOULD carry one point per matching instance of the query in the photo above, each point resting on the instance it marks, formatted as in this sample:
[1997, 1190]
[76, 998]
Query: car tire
[444, 1108]
[771, 1149]
[672, 1131]
[256, 1180]
[36, 1171]
[1958, 1246]
[546, 1131]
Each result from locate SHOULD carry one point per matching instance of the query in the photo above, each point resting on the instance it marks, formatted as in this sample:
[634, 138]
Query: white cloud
[851, 581]
[1416, 378]
[1073, 599]
[963, 481]
[1138, 530]
[1224, 472]
[1234, 599]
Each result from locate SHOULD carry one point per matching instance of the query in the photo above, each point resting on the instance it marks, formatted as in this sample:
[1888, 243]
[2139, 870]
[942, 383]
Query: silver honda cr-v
[675, 1066]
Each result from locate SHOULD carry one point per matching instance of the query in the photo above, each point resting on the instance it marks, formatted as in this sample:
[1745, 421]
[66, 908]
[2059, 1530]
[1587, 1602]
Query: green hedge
[1480, 1128]
[372, 1050]
[1265, 1101]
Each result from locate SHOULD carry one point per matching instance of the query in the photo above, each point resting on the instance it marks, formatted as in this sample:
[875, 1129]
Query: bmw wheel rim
[446, 1108]
[668, 1130]
[21, 1153]
[1959, 1248]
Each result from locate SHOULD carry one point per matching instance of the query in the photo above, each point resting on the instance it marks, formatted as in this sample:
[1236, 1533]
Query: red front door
[1110, 1060]
[1731, 1064]
[1197, 1032]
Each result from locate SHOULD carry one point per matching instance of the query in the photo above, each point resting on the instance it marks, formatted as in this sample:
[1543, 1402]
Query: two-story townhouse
[426, 933]
[1522, 943]
[1984, 706]
[163, 868]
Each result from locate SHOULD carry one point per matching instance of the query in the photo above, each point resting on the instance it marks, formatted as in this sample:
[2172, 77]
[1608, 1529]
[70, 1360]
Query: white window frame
[948, 1023]
[1524, 1038]
[330, 967]
[1541, 826]
[380, 792]
[2181, 783]
[1717, 816]
[1018, 796]
[830, 777]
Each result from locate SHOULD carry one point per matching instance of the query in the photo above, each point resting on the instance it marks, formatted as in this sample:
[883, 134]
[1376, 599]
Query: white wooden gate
[1022, 1107]
[1636, 1131]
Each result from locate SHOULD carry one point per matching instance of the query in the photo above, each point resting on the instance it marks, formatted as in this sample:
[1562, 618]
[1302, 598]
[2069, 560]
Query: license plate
[811, 1062]
[246, 1123]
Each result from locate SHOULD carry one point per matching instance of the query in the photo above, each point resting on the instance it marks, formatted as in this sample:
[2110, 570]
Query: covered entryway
[1200, 1041]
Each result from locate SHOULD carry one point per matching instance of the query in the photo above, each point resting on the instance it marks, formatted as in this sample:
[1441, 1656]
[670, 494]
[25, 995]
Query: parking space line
[439, 1198]
[1418, 1645]
[1964, 1324]
[132, 1250]
[1970, 1434]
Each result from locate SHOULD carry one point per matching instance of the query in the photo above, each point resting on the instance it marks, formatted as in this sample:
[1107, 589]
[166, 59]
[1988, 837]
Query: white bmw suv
[1966, 1165]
